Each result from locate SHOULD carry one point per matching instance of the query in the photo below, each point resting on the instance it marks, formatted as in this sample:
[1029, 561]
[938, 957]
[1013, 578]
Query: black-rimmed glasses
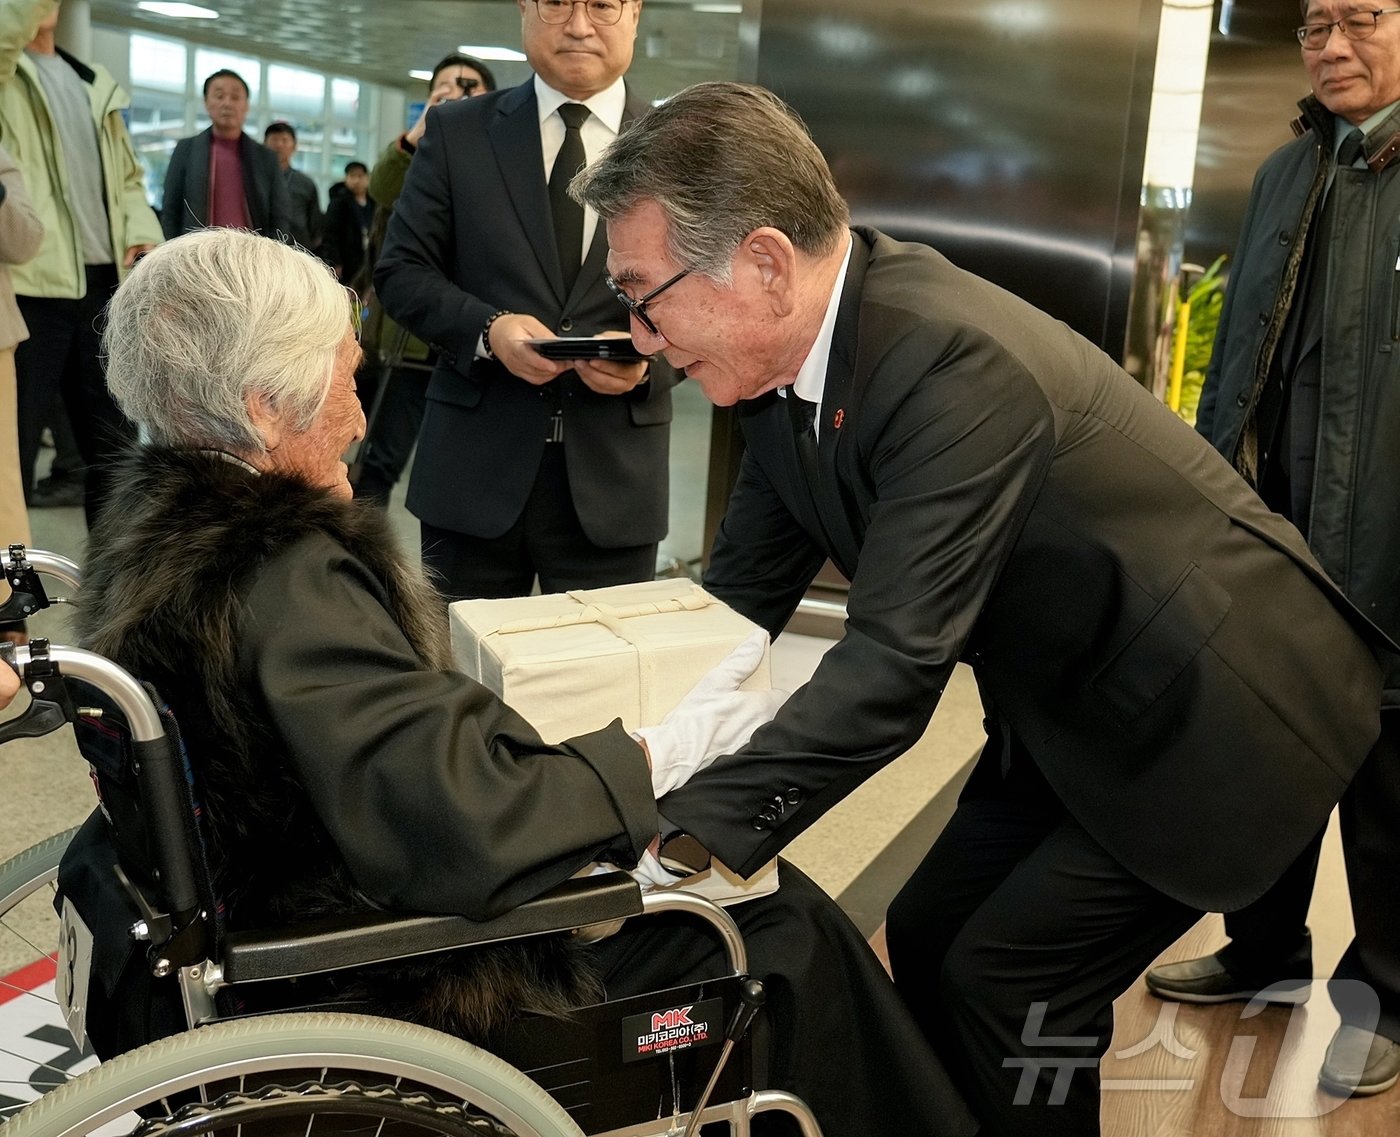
[601, 12]
[638, 307]
[1358, 25]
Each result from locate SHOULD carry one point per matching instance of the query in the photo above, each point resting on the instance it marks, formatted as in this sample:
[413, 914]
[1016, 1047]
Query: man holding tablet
[530, 465]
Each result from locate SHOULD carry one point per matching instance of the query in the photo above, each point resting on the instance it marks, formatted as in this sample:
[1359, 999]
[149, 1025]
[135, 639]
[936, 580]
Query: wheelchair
[647, 1066]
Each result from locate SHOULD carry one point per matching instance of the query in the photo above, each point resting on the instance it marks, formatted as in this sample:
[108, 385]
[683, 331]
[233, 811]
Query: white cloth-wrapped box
[570, 663]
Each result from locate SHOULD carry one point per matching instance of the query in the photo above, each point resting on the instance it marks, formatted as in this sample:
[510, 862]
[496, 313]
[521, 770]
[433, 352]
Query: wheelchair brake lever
[50, 705]
[751, 1000]
[27, 593]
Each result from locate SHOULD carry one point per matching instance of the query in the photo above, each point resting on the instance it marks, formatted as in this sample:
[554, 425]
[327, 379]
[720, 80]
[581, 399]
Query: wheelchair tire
[293, 1054]
[26, 872]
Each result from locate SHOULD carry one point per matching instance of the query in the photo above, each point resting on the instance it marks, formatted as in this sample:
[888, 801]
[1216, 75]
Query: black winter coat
[1353, 522]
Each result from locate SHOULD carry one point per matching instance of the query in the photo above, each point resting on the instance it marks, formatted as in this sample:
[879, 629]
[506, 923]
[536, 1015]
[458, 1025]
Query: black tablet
[588, 347]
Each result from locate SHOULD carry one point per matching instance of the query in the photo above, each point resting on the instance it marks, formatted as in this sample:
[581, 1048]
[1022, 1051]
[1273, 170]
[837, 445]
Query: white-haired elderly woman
[340, 761]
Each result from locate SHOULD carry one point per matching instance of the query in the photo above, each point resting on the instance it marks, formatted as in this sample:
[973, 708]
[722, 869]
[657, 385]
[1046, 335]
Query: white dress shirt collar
[608, 104]
[810, 383]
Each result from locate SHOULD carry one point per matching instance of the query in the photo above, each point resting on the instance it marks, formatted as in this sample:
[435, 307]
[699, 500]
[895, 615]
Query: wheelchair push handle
[43, 670]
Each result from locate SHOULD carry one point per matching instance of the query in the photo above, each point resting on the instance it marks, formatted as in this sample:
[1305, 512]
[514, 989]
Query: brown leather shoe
[1359, 1063]
[1208, 980]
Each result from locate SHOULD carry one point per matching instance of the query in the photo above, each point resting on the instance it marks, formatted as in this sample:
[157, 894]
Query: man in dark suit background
[997, 491]
[221, 176]
[525, 467]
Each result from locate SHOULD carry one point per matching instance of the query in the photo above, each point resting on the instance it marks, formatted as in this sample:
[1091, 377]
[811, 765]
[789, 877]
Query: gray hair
[721, 160]
[213, 318]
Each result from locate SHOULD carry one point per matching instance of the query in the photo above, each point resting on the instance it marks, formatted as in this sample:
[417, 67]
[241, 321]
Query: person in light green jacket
[20, 235]
[61, 120]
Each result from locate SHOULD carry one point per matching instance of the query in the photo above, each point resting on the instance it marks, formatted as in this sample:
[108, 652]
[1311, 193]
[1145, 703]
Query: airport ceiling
[383, 40]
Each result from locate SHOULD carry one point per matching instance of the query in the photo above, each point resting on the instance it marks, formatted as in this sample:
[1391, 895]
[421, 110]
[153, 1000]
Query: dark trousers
[833, 1030]
[391, 433]
[61, 360]
[1270, 936]
[1009, 944]
[547, 542]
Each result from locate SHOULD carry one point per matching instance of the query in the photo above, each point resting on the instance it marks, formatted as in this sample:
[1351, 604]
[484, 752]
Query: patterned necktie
[568, 214]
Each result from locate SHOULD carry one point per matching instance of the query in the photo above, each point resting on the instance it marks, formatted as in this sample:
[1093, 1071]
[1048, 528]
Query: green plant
[1205, 297]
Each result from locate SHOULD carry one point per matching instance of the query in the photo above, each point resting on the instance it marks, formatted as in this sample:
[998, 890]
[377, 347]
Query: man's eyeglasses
[601, 12]
[1358, 25]
[638, 307]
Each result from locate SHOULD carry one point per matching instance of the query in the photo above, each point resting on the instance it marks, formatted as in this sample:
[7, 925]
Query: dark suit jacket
[185, 206]
[472, 234]
[998, 491]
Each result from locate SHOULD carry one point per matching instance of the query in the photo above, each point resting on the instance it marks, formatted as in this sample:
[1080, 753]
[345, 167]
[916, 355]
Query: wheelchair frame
[177, 934]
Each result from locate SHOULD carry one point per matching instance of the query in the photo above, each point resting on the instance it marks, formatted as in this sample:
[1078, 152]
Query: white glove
[650, 873]
[714, 718]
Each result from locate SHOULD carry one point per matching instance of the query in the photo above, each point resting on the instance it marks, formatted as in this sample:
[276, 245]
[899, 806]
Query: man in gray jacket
[1303, 396]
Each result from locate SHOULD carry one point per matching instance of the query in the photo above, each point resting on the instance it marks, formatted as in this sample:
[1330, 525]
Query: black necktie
[568, 214]
[803, 416]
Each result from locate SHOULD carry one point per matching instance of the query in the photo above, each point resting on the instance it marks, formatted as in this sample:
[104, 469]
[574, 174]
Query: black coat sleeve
[438, 795]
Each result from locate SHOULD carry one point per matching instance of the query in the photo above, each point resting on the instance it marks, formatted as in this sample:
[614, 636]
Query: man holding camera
[527, 468]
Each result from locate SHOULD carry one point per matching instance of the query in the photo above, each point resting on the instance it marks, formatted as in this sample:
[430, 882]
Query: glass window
[158, 64]
[295, 95]
[345, 99]
[157, 120]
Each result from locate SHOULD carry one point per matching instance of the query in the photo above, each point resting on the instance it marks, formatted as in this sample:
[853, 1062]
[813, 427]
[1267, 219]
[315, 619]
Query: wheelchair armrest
[336, 943]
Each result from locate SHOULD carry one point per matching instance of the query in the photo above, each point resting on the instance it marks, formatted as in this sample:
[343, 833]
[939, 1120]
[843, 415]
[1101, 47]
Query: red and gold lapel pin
[838, 418]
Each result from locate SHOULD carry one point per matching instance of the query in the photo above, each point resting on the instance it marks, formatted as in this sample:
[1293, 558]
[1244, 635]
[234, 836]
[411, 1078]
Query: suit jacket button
[794, 795]
[760, 823]
[566, 324]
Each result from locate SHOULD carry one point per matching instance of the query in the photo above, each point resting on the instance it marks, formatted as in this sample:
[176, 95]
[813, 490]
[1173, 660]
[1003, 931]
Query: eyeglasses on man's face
[1357, 25]
[601, 12]
[638, 307]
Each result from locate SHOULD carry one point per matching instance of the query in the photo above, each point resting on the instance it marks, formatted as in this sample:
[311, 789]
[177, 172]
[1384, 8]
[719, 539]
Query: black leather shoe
[1359, 1063]
[1208, 980]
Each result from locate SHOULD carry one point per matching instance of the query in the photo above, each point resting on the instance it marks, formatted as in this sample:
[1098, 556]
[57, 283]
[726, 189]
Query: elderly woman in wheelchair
[339, 767]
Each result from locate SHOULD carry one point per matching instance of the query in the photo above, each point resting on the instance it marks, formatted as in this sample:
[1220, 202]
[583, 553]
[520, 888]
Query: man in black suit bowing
[1177, 695]
[526, 467]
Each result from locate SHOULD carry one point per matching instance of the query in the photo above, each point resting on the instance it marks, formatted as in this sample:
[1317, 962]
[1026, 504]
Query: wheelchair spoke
[26, 991]
[63, 1075]
[39, 952]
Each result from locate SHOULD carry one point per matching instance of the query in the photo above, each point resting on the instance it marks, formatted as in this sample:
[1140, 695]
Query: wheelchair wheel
[300, 1073]
[31, 870]
[36, 1051]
